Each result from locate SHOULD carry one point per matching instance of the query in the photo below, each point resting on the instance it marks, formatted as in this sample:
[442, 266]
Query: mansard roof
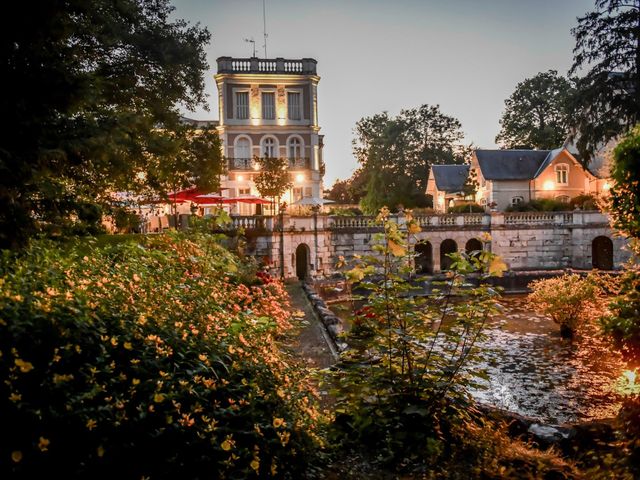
[511, 164]
[450, 178]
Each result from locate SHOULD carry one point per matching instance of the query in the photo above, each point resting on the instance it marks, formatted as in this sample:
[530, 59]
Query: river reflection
[533, 372]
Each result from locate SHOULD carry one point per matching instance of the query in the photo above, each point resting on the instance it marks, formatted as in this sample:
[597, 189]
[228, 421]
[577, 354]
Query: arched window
[517, 200]
[562, 174]
[243, 148]
[295, 148]
[563, 198]
[269, 148]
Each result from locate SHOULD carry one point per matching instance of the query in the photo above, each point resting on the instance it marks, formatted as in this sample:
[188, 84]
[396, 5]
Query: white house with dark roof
[508, 177]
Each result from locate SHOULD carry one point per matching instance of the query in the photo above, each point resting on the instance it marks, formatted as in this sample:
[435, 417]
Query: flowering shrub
[149, 360]
[570, 300]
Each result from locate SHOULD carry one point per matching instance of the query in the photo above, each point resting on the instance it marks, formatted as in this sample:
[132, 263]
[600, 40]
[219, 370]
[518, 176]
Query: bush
[401, 388]
[466, 208]
[570, 300]
[147, 360]
[540, 205]
[584, 202]
[345, 212]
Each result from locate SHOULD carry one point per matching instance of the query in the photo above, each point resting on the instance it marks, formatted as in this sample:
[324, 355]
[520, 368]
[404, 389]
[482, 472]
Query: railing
[345, 223]
[252, 222]
[304, 66]
[237, 163]
[538, 218]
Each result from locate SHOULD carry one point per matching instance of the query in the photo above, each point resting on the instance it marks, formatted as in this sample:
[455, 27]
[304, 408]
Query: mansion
[269, 108]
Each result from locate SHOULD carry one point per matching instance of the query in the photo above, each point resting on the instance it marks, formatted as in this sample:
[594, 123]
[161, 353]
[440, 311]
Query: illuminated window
[243, 148]
[293, 102]
[562, 174]
[295, 148]
[268, 105]
[269, 148]
[244, 191]
[517, 200]
[242, 105]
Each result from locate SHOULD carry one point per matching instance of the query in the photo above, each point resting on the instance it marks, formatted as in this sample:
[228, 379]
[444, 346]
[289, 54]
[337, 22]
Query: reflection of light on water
[532, 371]
[627, 383]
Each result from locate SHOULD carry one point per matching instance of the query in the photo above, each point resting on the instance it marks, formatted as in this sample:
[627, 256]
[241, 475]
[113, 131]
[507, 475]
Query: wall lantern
[548, 185]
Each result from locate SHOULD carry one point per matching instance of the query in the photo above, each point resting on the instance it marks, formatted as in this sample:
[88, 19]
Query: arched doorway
[602, 253]
[302, 261]
[446, 247]
[424, 259]
[473, 245]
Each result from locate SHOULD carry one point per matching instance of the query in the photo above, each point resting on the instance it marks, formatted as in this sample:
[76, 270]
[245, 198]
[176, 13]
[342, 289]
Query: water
[533, 372]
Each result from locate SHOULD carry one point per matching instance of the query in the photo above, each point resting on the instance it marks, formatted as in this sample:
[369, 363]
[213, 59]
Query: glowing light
[239, 178]
[548, 185]
[256, 166]
[606, 186]
[299, 178]
[627, 383]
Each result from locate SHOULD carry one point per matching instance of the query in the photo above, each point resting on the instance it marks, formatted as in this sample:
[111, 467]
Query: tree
[397, 152]
[607, 100]
[94, 93]
[536, 114]
[274, 178]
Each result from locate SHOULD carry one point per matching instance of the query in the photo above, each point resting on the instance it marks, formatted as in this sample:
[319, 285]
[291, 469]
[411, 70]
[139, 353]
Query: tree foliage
[536, 114]
[397, 152]
[95, 88]
[274, 177]
[625, 192]
[607, 100]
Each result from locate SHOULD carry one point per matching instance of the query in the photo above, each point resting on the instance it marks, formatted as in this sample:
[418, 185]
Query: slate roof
[512, 164]
[450, 178]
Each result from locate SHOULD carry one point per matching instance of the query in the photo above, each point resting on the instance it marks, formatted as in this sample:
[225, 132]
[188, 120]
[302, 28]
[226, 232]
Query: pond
[532, 371]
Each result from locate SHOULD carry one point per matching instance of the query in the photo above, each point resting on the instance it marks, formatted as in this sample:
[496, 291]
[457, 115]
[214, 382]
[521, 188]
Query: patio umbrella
[247, 199]
[312, 201]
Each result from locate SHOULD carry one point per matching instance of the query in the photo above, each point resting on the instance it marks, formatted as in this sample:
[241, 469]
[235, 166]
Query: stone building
[269, 108]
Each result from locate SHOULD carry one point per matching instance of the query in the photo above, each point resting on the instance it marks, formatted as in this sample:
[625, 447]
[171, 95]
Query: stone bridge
[310, 245]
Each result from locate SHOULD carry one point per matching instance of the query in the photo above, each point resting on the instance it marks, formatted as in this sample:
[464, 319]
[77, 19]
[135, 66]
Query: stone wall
[526, 241]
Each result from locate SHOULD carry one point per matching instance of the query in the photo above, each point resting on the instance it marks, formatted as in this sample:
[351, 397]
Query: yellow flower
[227, 444]
[91, 424]
[135, 381]
[24, 366]
[100, 451]
[255, 464]
[16, 456]
[158, 398]
[128, 345]
[15, 397]
[43, 444]
[278, 422]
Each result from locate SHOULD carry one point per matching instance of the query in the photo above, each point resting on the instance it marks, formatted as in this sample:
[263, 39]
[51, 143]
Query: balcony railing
[300, 163]
[304, 66]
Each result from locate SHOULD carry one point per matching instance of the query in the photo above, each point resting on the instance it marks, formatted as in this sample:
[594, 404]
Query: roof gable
[450, 178]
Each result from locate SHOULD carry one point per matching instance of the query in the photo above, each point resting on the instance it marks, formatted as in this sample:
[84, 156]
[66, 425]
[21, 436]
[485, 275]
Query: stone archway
[302, 261]
[602, 253]
[473, 245]
[446, 247]
[424, 260]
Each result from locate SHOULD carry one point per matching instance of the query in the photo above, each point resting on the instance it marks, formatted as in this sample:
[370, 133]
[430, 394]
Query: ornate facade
[269, 108]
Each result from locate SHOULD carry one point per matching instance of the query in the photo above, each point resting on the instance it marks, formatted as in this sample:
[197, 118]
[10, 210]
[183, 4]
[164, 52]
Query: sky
[385, 55]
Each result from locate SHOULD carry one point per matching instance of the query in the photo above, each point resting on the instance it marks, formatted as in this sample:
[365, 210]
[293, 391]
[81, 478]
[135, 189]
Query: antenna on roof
[264, 27]
[252, 42]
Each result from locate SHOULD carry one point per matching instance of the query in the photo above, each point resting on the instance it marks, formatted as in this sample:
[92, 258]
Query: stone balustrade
[304, 66]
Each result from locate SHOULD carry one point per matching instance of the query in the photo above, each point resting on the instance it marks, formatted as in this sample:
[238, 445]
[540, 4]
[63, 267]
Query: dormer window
[562, 174]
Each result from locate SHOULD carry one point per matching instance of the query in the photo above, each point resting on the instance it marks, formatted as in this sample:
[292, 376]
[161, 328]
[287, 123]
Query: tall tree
[607, 101]
[397, 152]
[94, 94]
[536, 113]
